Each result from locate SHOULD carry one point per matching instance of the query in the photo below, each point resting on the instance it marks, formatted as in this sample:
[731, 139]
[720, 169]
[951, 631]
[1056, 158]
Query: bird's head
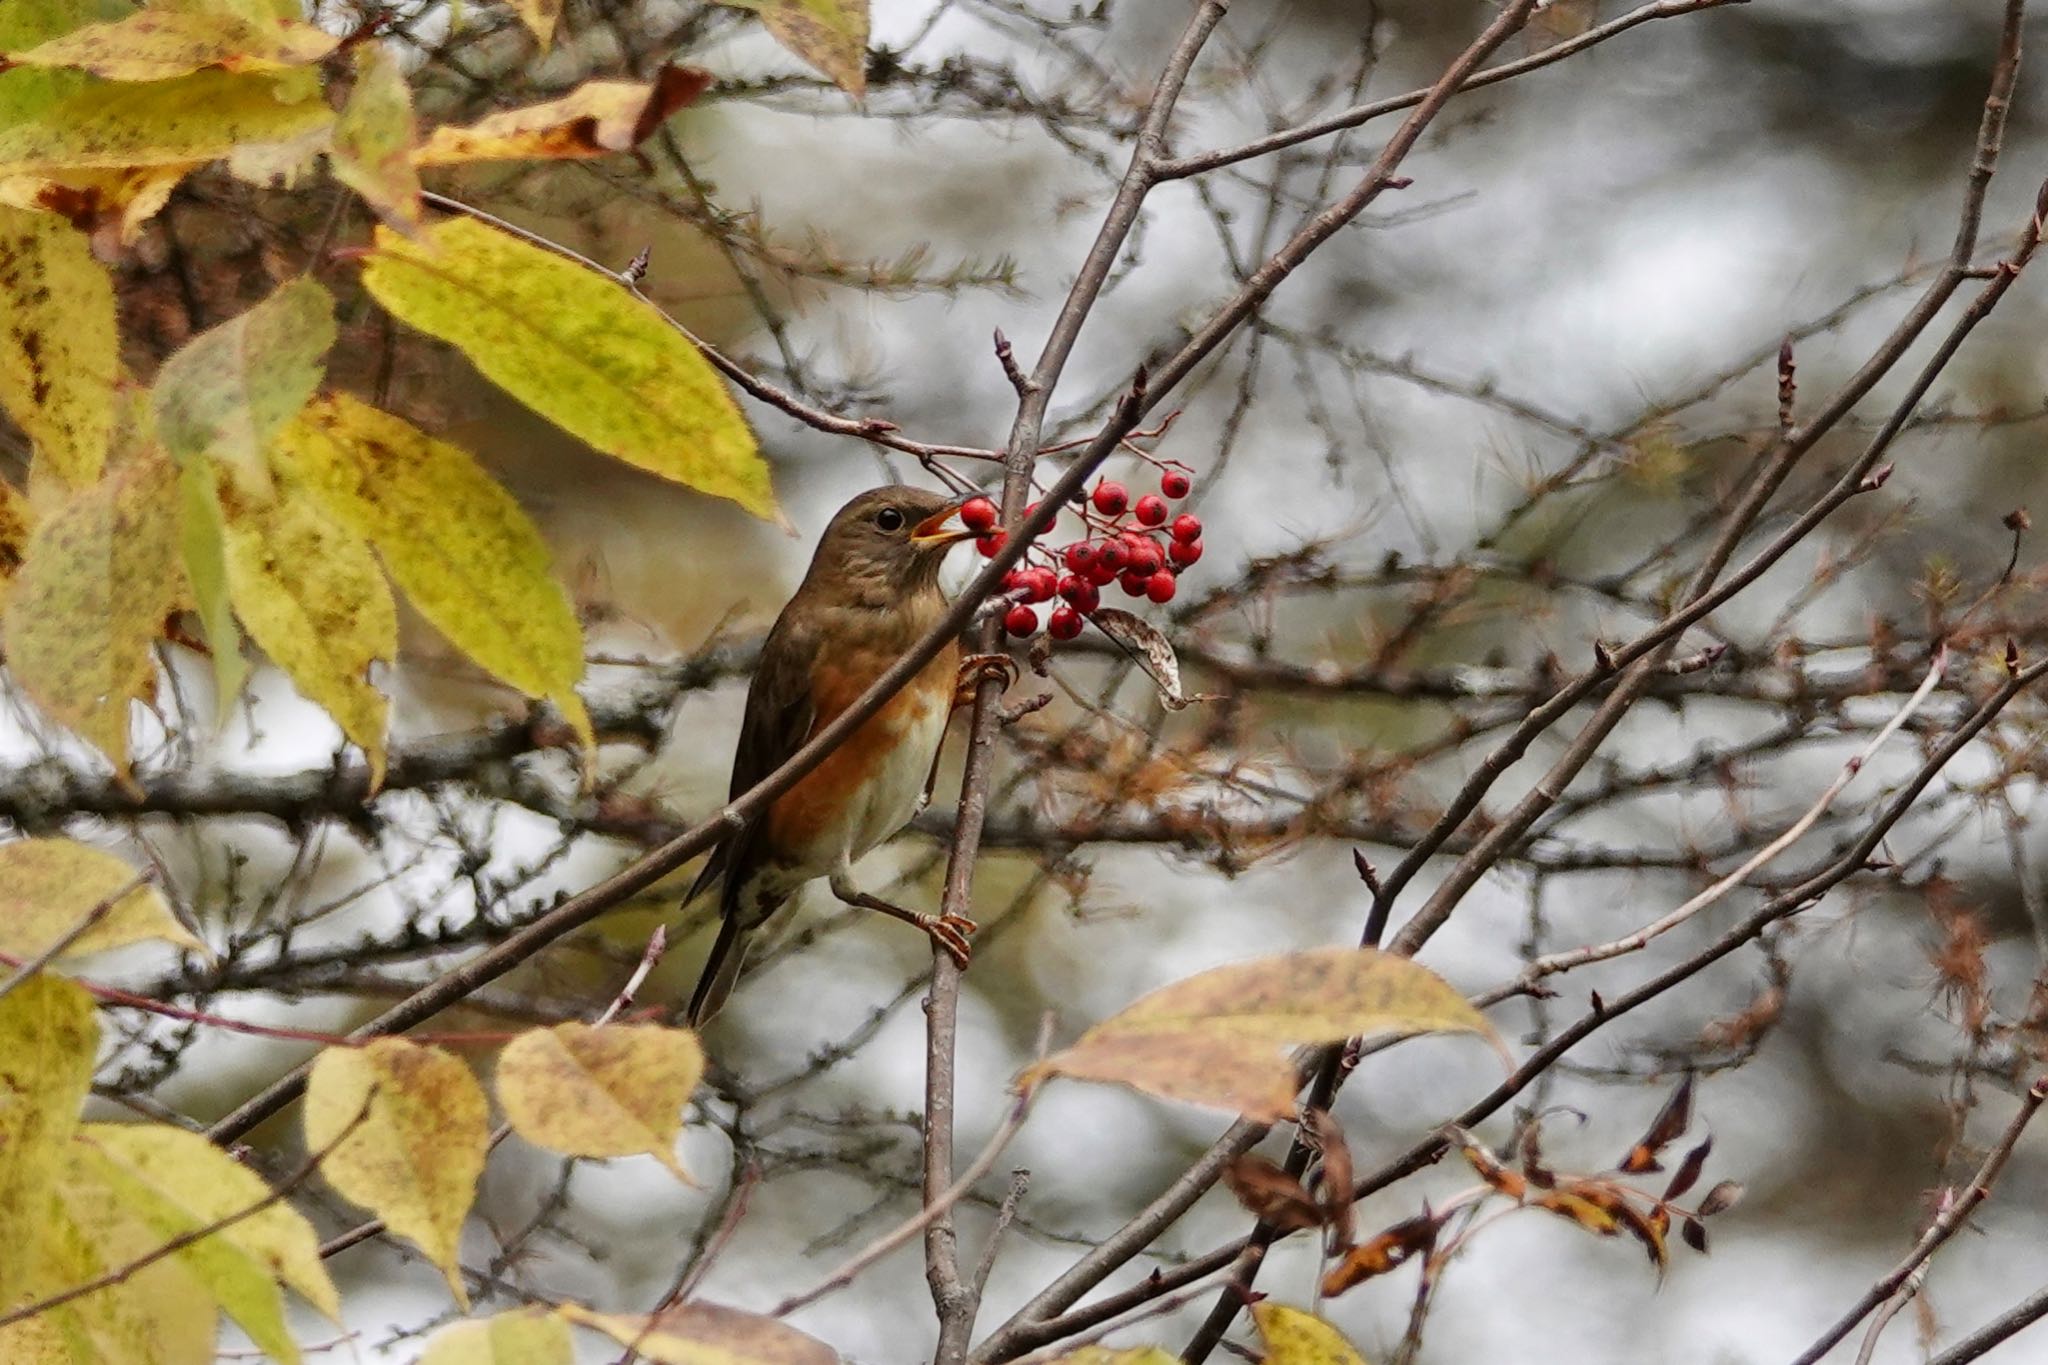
[889, 541]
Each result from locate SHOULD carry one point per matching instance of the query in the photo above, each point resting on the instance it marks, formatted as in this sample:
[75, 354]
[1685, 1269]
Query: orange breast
[811, 823]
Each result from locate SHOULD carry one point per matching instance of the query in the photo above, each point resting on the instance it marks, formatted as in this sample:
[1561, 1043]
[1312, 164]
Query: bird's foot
[978, 668]
[951, 933]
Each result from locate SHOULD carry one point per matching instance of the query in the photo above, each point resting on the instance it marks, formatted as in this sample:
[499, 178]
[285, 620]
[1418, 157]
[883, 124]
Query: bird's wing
[780, 716]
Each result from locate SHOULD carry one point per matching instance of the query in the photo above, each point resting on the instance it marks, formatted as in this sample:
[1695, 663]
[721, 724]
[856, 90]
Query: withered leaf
[1271, 1195]
[1574, 1203]
[1671, 1121]
[596, 119]
[1688, 1173]
[1219, 1036]
[1721, 1198]
[1540, 1175]
[1695, 1234]
[1387, 1251]
[1489, 1167]
[1337, 1176]
[1151, 651]
[1649, 1229]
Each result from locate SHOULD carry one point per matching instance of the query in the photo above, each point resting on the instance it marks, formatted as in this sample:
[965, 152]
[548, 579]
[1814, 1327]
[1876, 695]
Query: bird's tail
[721, 971]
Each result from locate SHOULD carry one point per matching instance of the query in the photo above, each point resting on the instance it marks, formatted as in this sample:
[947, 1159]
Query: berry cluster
[1130, 543]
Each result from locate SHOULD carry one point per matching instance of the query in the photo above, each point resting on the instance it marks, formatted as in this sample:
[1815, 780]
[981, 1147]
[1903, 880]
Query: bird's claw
[951, 933]
[978, 668]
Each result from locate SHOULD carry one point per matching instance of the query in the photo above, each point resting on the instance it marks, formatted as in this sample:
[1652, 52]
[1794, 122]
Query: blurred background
[1490, 423]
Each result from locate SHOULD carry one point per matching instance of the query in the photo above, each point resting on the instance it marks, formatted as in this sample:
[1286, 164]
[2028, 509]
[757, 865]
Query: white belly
[893, 795]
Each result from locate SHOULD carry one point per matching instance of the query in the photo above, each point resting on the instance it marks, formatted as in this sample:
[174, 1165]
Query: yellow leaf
[157, 1315]
[48, 1038]
[154, 123]
[454, 540]
[525, 1336]
[203, 540]
[225, 393]
[58, 350]
[414, 1160]
[612, 1091]
[596, 119]
[311, 596]
[373, 140]
[1293, 1337]
[48, 885]
[109, 206]
[1104, 1355]
[832, 35]
[156, 45]
[706, 1334]
[1216, 1037]
[577, 349]
[17, 519]
[174, 1182]
[540, 16]
[247, 9]
[100, 576]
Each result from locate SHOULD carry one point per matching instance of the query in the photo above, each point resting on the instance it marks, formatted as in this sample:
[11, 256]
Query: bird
[871, 592]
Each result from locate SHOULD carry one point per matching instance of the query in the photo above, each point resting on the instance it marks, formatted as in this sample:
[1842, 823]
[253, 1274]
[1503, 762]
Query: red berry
[1021, 621]
[1135, 584]
[990, 543]
[1014, 579]
[1174, 484]
[1159, 587]
[1032, 508]
[1080, 555]
[978, 514]
[1085, 598]
[1187, 527]
[1151, 509]
[1065, 623]
[1184, 552]
[1144, 556]
[1040, 582]
[1111, 498]
[1114, 556]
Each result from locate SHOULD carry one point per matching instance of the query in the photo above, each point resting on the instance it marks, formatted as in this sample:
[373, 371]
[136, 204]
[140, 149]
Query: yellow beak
[931, 533]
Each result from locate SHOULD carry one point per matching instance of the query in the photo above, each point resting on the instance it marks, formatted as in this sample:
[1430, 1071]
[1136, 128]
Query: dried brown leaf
[1271, 1195]
[1671, 1122]
[1386, 1251]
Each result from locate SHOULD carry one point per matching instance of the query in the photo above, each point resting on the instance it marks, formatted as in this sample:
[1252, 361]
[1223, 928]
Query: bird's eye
[889, 519]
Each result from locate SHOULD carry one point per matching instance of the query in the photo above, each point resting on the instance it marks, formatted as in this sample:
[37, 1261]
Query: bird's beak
[932, 533]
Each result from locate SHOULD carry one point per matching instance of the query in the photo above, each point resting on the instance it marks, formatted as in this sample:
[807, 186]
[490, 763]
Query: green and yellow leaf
[100, 576]
[1293, 1337]
[601, 1092]
[195, 118]
[525, 1336]
[48, 1038]
[311, 596]
[458, 544]
[373, 140]
[1217, 1037]
[157, 45]
[173, 1183]
[706, 1334]
[414, 1158]
[48, 885]
[596, 119]
[59, 353]
[203, 540]
[577, 349]
[159, 1314]
[110, 206]
[224, 394]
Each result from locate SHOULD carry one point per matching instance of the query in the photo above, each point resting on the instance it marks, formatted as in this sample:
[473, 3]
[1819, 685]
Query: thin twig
[1956, 1210]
